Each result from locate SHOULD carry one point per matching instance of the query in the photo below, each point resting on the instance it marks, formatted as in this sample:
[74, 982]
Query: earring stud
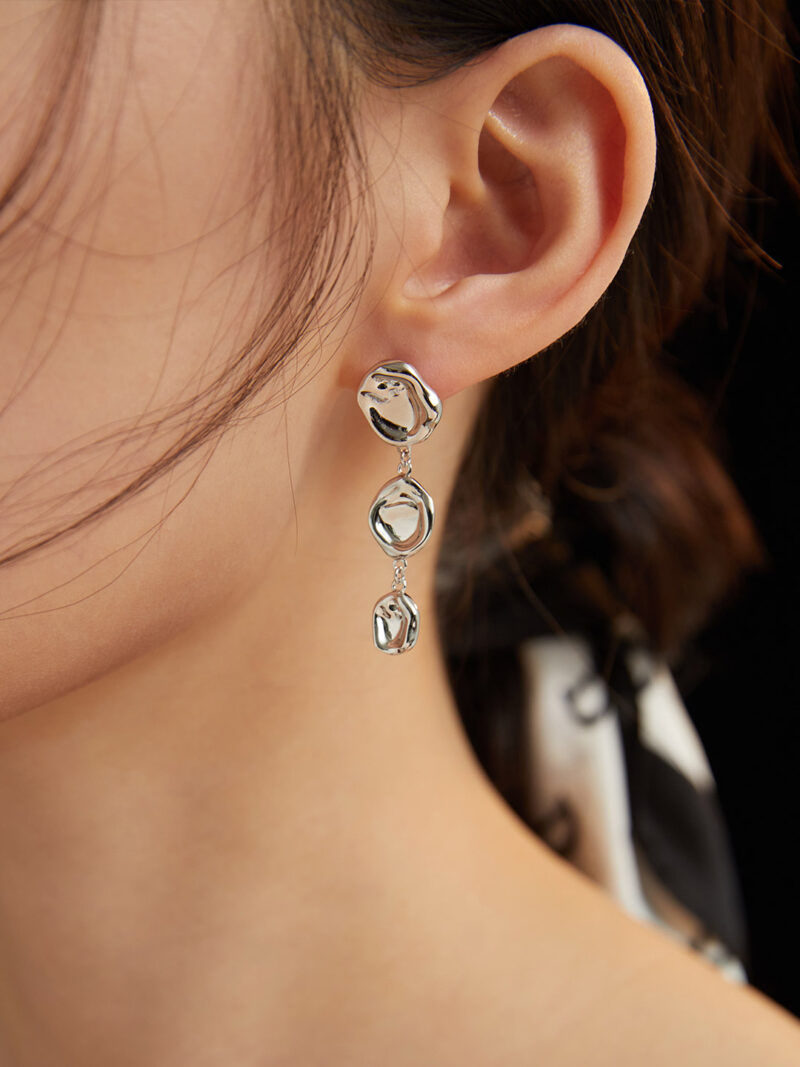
[403, 410]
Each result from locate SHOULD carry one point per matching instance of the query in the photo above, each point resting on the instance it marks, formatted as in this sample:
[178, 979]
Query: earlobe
[547, 149]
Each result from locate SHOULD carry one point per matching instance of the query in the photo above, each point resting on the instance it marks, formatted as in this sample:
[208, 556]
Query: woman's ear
[507, 194]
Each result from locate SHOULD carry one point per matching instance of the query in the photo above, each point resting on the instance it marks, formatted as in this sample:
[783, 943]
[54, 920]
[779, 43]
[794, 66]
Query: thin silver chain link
[404, 466]
[401, 562]
[399, 580]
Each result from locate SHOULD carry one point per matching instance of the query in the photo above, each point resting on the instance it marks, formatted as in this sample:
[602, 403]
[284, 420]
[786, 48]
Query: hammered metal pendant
[395, 623]
[401, 516]
[398, 404]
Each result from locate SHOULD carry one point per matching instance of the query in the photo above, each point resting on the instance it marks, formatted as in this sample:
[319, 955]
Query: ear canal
[495, 232]
[522, 202]
[557, 106]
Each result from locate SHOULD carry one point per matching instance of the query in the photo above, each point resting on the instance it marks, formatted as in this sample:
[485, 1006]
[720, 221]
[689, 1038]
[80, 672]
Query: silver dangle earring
[402, 410]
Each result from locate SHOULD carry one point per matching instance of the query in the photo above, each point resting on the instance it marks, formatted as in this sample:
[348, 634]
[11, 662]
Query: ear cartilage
[403, 410]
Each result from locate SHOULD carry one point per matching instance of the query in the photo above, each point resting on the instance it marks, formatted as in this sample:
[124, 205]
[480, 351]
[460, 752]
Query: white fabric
[583, 764]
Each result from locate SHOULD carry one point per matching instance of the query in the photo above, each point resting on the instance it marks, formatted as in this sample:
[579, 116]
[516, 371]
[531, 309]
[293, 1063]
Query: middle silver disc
[401, 516]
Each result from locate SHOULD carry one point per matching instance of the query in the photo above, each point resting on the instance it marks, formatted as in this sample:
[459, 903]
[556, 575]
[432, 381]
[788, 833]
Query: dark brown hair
[591, 499]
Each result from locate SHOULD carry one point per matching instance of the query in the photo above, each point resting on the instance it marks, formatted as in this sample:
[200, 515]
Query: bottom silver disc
[395, 623]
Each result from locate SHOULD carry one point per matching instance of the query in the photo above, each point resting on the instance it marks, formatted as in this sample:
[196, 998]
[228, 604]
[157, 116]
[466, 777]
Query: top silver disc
[401, 408]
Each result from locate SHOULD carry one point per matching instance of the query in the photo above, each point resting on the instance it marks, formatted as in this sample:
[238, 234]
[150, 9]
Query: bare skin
[230, 830]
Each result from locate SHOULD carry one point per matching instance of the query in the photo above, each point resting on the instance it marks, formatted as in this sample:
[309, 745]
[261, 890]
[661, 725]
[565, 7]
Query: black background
[741, 678]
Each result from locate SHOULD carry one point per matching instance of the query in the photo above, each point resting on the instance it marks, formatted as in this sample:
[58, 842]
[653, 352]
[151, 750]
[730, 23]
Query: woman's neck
[247, 848]
[240, 831]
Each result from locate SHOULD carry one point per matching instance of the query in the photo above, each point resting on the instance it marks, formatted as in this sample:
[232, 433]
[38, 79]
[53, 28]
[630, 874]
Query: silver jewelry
[402, 410]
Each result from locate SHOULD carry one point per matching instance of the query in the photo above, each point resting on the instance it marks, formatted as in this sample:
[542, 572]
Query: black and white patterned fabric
[623, 789]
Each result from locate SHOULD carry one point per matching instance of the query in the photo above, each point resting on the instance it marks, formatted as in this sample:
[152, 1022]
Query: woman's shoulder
[577, 979]
[623, 950]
